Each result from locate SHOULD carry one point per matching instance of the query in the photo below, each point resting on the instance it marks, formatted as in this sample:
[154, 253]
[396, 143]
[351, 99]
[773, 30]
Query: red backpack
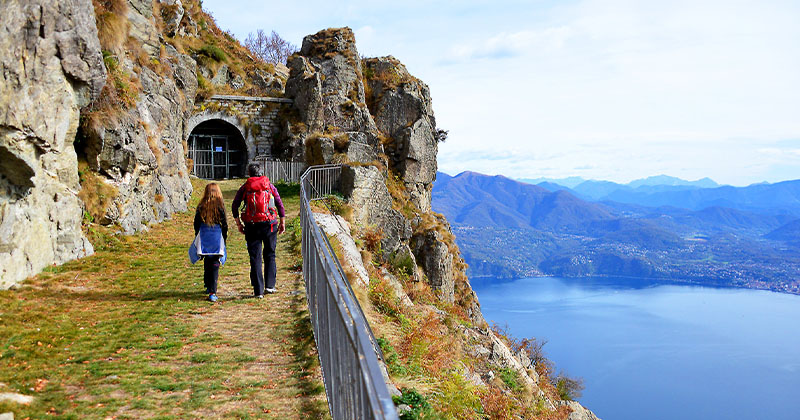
[259, 203]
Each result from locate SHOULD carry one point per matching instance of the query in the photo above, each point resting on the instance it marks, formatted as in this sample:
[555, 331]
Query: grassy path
[126, 333]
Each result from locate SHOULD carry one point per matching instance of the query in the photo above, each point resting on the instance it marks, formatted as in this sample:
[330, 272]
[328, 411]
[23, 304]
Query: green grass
[127, 333]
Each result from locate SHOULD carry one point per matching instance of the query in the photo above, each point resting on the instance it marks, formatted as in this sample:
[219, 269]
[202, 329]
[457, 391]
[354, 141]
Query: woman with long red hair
[211, 233]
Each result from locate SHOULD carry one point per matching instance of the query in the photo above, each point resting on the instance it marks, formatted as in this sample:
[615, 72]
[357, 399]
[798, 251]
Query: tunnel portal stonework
[255, 117]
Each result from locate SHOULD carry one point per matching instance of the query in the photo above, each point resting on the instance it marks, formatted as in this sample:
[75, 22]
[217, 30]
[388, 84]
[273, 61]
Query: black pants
[211, 272]
[262, 238]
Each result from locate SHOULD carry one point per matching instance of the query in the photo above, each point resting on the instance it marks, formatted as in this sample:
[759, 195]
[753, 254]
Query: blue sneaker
[212, 297]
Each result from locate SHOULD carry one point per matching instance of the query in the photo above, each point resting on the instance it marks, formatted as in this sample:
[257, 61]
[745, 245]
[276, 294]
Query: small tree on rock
[270, 48]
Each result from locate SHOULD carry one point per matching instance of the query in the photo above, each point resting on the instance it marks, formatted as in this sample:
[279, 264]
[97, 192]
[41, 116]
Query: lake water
[661, 351]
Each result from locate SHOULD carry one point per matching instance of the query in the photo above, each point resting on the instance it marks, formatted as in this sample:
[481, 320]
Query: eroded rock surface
[52, 66]
[401, 106]
[325, 82]
[141, 150]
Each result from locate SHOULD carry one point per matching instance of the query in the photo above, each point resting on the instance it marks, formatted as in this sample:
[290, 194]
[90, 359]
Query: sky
[603, 89]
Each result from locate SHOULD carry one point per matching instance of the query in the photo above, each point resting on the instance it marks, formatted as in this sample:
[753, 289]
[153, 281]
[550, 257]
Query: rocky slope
[94, 99]
[377, 119]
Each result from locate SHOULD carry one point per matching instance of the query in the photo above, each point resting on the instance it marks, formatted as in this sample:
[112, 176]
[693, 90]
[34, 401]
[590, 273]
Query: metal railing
[346, 346]
[281, 170]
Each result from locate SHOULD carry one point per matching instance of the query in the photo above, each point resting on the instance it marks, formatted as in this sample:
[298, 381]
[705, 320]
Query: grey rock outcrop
[141, 151]
[342, 122]
[336, 226]
[578, 412]
[437, 261]
[365, 187]
[325, 82]
[401, 106]
[172, 12]
[52, 66]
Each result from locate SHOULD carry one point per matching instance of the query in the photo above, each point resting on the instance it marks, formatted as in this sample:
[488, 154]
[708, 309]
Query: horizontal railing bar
[346, 345]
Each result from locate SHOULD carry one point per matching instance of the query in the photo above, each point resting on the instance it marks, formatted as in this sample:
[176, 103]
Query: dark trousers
[262, 238]
[211, 272]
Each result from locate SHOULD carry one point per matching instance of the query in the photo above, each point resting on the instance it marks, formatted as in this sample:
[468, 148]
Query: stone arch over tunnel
[218, 150]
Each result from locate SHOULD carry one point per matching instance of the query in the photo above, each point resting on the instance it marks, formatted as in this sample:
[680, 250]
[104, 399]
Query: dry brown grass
[152, 143]
[95, 193]
[372, 236]
[497, 405]
[314, 149]
[112, 24]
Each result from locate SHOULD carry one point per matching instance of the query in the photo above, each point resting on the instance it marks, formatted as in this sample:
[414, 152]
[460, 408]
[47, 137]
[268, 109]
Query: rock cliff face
[401, 106]
[375, 118]
[52, 66]
[140, 149]
[94, 102]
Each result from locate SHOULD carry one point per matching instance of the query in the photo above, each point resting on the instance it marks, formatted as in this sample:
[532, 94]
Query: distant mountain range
[480, 200]
[746, 236]
[658, 180]
[662, 190]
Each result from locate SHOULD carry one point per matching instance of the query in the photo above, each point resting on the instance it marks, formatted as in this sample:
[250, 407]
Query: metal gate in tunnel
[217, 150]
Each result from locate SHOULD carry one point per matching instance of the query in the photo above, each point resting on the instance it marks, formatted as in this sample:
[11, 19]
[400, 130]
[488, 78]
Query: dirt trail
[274, 331]
[127, 333]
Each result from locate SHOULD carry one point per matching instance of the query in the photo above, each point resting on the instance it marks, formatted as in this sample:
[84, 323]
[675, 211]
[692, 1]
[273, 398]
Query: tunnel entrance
[217, 150]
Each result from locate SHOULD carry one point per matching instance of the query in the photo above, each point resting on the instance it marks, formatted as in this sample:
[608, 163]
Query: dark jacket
[223, 224]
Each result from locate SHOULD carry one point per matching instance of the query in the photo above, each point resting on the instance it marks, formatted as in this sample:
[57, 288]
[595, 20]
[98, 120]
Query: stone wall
[257, 118]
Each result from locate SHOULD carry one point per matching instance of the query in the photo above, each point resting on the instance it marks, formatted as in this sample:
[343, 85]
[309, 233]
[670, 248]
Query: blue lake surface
[660, 351]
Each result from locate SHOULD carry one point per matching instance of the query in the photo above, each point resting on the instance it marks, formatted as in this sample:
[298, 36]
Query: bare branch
[270, 48]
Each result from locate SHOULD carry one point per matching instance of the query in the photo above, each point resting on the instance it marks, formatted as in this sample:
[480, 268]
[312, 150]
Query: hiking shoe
[270, 291]
[259, 296]
[212, 297]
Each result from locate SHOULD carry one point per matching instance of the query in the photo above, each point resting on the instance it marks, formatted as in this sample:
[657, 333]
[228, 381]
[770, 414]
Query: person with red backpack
[264, 218]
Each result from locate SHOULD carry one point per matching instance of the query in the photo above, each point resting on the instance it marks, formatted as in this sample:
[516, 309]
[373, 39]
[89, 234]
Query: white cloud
[604, 88]
[505, 45]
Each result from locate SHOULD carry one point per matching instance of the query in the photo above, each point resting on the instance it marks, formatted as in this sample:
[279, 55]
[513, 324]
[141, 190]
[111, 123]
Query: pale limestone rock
[397, 287]
[578, 412]
[503, 357]
[142, 27]
[7, 416]
[15, 398]
[337, 227]
[52, 66]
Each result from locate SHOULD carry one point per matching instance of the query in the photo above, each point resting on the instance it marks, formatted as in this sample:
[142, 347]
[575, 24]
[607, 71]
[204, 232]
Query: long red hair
[210, 205]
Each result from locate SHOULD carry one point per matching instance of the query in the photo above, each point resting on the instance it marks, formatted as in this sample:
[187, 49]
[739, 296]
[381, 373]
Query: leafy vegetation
[214, 52]
[419, 407]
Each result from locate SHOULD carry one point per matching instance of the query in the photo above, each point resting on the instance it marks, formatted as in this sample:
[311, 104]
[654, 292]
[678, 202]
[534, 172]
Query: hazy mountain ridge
[778, 198]
[511, 229]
